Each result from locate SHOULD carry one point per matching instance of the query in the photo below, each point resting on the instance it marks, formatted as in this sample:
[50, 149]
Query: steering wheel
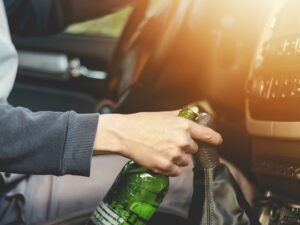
[144, 44]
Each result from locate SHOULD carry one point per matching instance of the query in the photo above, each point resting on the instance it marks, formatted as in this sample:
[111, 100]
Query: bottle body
[136, 194]
[133, 198]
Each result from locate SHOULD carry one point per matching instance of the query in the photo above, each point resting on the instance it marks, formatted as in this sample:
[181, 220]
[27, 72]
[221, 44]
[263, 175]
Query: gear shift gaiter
[217, 198]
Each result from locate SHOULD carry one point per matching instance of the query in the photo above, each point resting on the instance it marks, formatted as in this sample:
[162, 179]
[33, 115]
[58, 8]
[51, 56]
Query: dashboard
[273, 113]
[274, 89]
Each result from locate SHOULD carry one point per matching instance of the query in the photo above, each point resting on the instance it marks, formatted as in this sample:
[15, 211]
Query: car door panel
[45, 78]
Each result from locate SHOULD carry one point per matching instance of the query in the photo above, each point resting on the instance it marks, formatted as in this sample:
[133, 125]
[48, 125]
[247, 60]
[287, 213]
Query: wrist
[108, 139]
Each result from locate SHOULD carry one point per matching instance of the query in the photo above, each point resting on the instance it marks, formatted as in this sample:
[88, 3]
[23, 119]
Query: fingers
[191, 148]
[182, 161]
[172, 167]
[162, 141]
[205, 134]
[173, 172]
[167, 168]
[200, 132]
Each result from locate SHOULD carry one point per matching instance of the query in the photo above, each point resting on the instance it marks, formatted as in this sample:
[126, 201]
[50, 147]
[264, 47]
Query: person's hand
[160, 141]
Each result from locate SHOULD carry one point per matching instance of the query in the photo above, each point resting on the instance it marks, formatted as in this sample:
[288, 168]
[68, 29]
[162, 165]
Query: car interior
[238, 57]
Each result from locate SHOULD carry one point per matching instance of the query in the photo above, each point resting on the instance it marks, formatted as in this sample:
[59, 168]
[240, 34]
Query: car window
[111, 25]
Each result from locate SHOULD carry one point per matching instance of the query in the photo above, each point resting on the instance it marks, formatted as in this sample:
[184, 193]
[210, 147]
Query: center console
[273, 114]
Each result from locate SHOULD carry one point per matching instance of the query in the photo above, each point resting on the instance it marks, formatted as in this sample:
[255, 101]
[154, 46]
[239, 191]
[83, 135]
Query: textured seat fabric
[50, 197]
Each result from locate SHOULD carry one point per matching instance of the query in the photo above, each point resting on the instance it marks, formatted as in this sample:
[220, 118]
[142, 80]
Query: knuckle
[176, 154]
[167, 166]
[192, 148]
[195, 147]
[186, 160]
[182, 141]
[176, 172]
[195, 150]
[186, 125]
[208, 136]
[156, 170]
[185, 163]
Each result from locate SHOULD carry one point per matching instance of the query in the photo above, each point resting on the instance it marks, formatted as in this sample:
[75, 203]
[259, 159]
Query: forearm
[46, 142]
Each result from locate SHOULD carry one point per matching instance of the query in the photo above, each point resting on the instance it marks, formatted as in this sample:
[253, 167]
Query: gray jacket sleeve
[46, 142]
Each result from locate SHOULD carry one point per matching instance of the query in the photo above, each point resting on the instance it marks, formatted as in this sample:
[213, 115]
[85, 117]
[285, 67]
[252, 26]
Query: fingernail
[221, 141]
[208, 136]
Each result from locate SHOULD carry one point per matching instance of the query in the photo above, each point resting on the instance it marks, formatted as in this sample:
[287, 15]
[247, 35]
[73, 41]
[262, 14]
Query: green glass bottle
[136, 193]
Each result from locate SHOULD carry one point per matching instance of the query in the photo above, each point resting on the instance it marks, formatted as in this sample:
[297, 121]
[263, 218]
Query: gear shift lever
[217, 198]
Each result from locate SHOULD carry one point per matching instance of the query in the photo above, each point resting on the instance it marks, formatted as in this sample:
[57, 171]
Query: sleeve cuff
[78, 150]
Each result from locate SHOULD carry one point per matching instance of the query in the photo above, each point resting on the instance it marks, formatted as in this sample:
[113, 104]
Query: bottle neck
[189, 114]
[207, 156]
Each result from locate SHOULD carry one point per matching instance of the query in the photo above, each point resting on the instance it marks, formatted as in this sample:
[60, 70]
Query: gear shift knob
[207, 156]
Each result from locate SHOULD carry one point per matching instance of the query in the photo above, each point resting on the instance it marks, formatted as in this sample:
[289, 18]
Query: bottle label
[103, 215]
